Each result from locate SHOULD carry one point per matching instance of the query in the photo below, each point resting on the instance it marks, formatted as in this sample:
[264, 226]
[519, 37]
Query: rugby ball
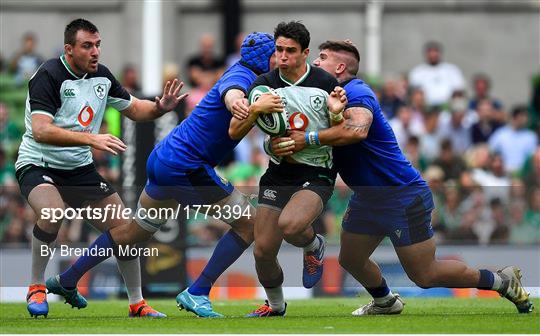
[273, 124]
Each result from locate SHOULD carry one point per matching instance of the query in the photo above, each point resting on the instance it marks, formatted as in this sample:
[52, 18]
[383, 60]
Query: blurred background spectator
[455, 123]
[391, 99]
[26, 61]
[235, 57]
[406, 124]
[487, 124]
[130, 80]
[205, 65]
[515, 142]
[481, 85]
[436, 78]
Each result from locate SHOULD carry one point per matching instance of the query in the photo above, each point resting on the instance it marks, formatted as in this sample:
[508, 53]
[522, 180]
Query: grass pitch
[314, 316]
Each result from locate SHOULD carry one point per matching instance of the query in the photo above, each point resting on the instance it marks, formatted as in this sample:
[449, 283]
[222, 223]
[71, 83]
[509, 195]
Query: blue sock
[486, 279]
[379, 292]
[229, 248]
[104, 244]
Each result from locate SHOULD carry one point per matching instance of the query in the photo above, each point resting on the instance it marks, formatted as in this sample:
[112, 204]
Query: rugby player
[302, 181]
[67, 97]
[180, 169]
[390, 199]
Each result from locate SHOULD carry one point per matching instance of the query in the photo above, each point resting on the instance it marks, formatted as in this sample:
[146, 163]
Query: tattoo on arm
[357, 128]
[359, 119]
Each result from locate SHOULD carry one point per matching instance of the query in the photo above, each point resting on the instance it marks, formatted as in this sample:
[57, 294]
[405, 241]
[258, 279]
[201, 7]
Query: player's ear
[305, 52]
[68, 49]
[341, 67]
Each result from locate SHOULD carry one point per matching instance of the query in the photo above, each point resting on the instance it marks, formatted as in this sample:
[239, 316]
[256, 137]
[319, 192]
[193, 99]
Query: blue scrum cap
[256, 51]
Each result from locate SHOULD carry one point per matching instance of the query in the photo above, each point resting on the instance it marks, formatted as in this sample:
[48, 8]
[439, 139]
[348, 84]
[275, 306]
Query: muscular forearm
[355, 127]
[142, 110]
[340, 135]
[54, 135]
[239, 128]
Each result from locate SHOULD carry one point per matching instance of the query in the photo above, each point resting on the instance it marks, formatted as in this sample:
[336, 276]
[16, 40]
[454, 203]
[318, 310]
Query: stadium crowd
[480, 156]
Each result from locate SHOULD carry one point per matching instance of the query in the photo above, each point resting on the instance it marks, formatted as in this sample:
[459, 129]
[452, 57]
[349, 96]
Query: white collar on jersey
[300, 80]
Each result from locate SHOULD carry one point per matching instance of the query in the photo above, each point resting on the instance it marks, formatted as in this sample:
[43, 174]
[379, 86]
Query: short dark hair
[341, 46]
[74, 26]
[344, 46]
[519, 110]
[294, 30]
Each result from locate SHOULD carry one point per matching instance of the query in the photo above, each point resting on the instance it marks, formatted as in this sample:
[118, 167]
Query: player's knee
[345, 262]
[131, 233]
[50, 226]
[263, 252]
[149, 219]
[50, 219]
[258, 252]
[290, 226]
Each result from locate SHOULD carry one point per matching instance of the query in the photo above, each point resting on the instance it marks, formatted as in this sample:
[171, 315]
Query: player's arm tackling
[237, 103]
[354, 128]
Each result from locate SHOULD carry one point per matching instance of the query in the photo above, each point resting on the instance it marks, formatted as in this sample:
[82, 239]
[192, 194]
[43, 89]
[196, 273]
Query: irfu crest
[99, 90]
[316, 102]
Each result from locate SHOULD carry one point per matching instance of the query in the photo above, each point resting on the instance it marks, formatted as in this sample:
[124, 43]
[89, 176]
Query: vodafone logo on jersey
[298, 121]
[86, 115]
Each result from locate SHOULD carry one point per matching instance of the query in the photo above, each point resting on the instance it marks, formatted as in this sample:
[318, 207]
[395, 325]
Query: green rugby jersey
[75, 104]
[305, 104]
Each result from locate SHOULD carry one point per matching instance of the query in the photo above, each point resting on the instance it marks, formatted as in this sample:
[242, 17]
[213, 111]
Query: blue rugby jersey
[203, 137]
[376, 161]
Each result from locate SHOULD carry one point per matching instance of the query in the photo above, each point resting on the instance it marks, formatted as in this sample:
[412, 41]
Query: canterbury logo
[69, 93]
[269, 194]
[104, 187]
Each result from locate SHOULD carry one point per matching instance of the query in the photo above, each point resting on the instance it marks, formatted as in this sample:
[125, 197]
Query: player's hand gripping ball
[273, 124]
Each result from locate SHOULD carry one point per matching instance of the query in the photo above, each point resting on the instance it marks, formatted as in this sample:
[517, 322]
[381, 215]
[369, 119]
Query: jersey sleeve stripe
[359, 105]
[235, 87]
[119, 103]
[43, 112]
